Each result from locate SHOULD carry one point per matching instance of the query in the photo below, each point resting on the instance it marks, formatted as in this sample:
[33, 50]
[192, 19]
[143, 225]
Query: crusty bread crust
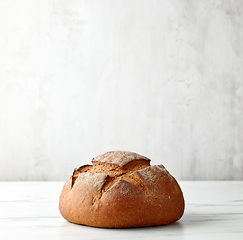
[121, 190]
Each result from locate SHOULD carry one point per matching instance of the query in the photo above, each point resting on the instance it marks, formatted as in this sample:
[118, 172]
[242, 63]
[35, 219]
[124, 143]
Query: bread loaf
[120, 190]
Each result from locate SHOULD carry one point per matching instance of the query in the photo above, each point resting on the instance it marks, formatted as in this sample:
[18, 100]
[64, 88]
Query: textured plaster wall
[161, 78]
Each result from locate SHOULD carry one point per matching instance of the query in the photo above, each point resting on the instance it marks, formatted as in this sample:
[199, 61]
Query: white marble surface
[29, 210]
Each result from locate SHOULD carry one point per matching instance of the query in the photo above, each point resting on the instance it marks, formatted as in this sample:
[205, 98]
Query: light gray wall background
[161, 78]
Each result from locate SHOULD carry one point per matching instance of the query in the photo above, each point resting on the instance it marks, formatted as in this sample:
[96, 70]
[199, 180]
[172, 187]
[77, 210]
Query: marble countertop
[29, 210]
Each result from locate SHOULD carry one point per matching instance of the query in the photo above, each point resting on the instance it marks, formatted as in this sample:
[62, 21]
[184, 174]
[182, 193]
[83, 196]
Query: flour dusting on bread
[92, 180]
[119, 158]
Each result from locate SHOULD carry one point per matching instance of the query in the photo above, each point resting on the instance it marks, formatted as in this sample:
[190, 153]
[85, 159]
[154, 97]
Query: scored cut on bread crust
[121, 189]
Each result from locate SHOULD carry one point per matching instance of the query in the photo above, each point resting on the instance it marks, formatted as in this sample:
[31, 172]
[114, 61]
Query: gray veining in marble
[29, 210]
[161, 78]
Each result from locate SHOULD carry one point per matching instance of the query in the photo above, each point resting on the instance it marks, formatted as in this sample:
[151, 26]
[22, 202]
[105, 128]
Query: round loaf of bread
[120, 190]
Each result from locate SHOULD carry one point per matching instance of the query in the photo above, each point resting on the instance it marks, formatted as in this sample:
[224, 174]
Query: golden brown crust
[114, 194]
